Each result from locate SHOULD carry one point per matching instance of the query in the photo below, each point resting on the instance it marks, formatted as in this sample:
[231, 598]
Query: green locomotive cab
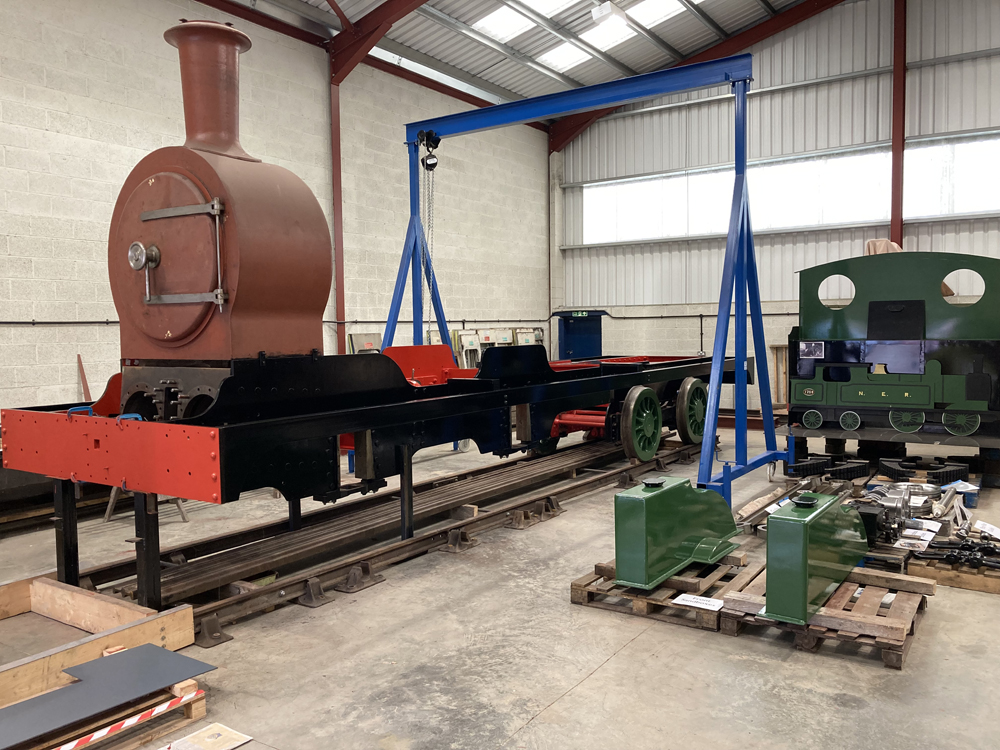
[882, 360]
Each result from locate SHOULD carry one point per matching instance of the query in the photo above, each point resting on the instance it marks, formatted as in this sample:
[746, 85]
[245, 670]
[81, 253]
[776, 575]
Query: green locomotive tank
[898, 354]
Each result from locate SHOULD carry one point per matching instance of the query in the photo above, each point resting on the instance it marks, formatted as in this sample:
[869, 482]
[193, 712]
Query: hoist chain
[428, 241]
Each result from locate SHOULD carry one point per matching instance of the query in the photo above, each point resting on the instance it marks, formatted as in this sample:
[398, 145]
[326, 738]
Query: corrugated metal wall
[824, 85]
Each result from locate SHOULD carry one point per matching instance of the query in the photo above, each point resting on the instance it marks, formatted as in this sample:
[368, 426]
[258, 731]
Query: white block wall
[490, 246]
[88, 88]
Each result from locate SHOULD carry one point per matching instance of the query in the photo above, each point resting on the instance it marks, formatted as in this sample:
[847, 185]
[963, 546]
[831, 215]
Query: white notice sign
[701, 602]
[989, 528]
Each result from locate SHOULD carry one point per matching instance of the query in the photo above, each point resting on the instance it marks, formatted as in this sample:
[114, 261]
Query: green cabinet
[665, 524]
[813, 543]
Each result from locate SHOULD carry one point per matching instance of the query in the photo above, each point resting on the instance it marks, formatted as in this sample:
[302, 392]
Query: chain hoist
[429, 161]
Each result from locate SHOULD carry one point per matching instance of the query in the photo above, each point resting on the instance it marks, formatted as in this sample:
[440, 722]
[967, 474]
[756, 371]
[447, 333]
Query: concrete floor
[484, 650]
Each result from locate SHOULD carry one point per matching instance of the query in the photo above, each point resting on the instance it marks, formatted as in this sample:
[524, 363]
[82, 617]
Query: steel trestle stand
[67, 538]
[147, 550]
[404, 454]
[294, 513]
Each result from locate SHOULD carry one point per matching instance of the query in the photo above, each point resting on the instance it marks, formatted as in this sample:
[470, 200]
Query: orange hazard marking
[172, 460]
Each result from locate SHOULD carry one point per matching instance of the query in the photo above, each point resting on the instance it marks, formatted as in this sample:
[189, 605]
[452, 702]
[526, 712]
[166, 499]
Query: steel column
[404, 454]
[898, 119]
[417, 257]
[294, 513]
[67, 538]
[339, 292]
[739, 279]
[147, 550]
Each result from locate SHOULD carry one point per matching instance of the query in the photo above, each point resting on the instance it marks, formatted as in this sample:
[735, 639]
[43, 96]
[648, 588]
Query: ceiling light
[608, 12]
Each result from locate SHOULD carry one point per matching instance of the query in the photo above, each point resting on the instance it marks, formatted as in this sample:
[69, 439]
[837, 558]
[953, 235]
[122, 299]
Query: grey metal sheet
[103, 685]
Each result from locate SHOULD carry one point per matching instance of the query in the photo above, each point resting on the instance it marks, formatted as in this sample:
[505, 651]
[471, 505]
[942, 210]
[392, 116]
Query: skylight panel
[652, 12]
[503, 24]
[564, 57]
[549, 7]
[606, 35]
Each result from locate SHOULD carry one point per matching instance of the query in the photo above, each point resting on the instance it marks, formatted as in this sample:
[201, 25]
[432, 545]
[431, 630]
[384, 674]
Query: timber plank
[895, 581]
[86, 610]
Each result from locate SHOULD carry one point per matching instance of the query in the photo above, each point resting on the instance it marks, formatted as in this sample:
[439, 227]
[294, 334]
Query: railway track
[368, 522]
[522, 510]
[362, 534]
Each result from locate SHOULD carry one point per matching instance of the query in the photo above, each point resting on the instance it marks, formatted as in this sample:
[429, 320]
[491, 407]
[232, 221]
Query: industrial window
[810, 192]
[951, 177]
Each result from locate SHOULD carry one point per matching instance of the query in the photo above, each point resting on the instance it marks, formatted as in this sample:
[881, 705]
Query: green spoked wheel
[691, 410]
[812, 419]
[850, 421]
[906, 421]
[960, 423]
[641, 424]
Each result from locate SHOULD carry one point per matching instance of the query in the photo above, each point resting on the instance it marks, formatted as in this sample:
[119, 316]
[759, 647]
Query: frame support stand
[404, 454]
[294, 513]
[67, 537]
[147, 550]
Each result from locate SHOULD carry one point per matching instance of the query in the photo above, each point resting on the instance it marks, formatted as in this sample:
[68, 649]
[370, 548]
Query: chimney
[210, 81]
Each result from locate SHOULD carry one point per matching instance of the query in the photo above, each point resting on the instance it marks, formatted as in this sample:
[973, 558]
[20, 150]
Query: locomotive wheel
[691, 410]
[850, 421]
[960, 423]
[812, 419]
[906, 421]
[642, 423]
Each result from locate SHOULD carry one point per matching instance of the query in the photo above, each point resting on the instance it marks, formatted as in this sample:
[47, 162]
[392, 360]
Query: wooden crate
[113, 623]
[598, 589]
[957, 576]
[864, 621]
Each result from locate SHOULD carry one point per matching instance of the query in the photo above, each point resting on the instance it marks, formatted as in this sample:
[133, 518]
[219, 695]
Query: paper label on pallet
[772, 508]
[934, 526]
[917, 545]
[927, 536]
[988, 528]
[701, 602]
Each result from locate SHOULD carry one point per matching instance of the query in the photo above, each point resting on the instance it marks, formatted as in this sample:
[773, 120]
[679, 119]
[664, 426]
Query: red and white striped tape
[130, 722]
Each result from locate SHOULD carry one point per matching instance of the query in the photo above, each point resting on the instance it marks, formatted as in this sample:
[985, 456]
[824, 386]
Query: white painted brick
[48, 184]
[22, 158]
[20, 70]
[26, 203]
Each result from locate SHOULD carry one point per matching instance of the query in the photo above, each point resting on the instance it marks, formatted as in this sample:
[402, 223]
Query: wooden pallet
[140, 734]
[863, 620]
[957, 576]
[731, 573]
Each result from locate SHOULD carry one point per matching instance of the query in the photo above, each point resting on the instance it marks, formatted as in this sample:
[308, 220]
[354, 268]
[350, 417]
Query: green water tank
[665, 524]
[813, 543]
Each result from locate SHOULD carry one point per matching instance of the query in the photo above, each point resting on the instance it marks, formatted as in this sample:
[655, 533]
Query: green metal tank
[813, 543]
[665, 524]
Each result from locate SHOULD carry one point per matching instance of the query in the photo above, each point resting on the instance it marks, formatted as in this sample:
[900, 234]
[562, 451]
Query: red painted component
[898, 119]
[591, 420]
[168, 459]
[349, 48]
[568, 128]
[427, 364]
[340, 304]
[110, 401]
